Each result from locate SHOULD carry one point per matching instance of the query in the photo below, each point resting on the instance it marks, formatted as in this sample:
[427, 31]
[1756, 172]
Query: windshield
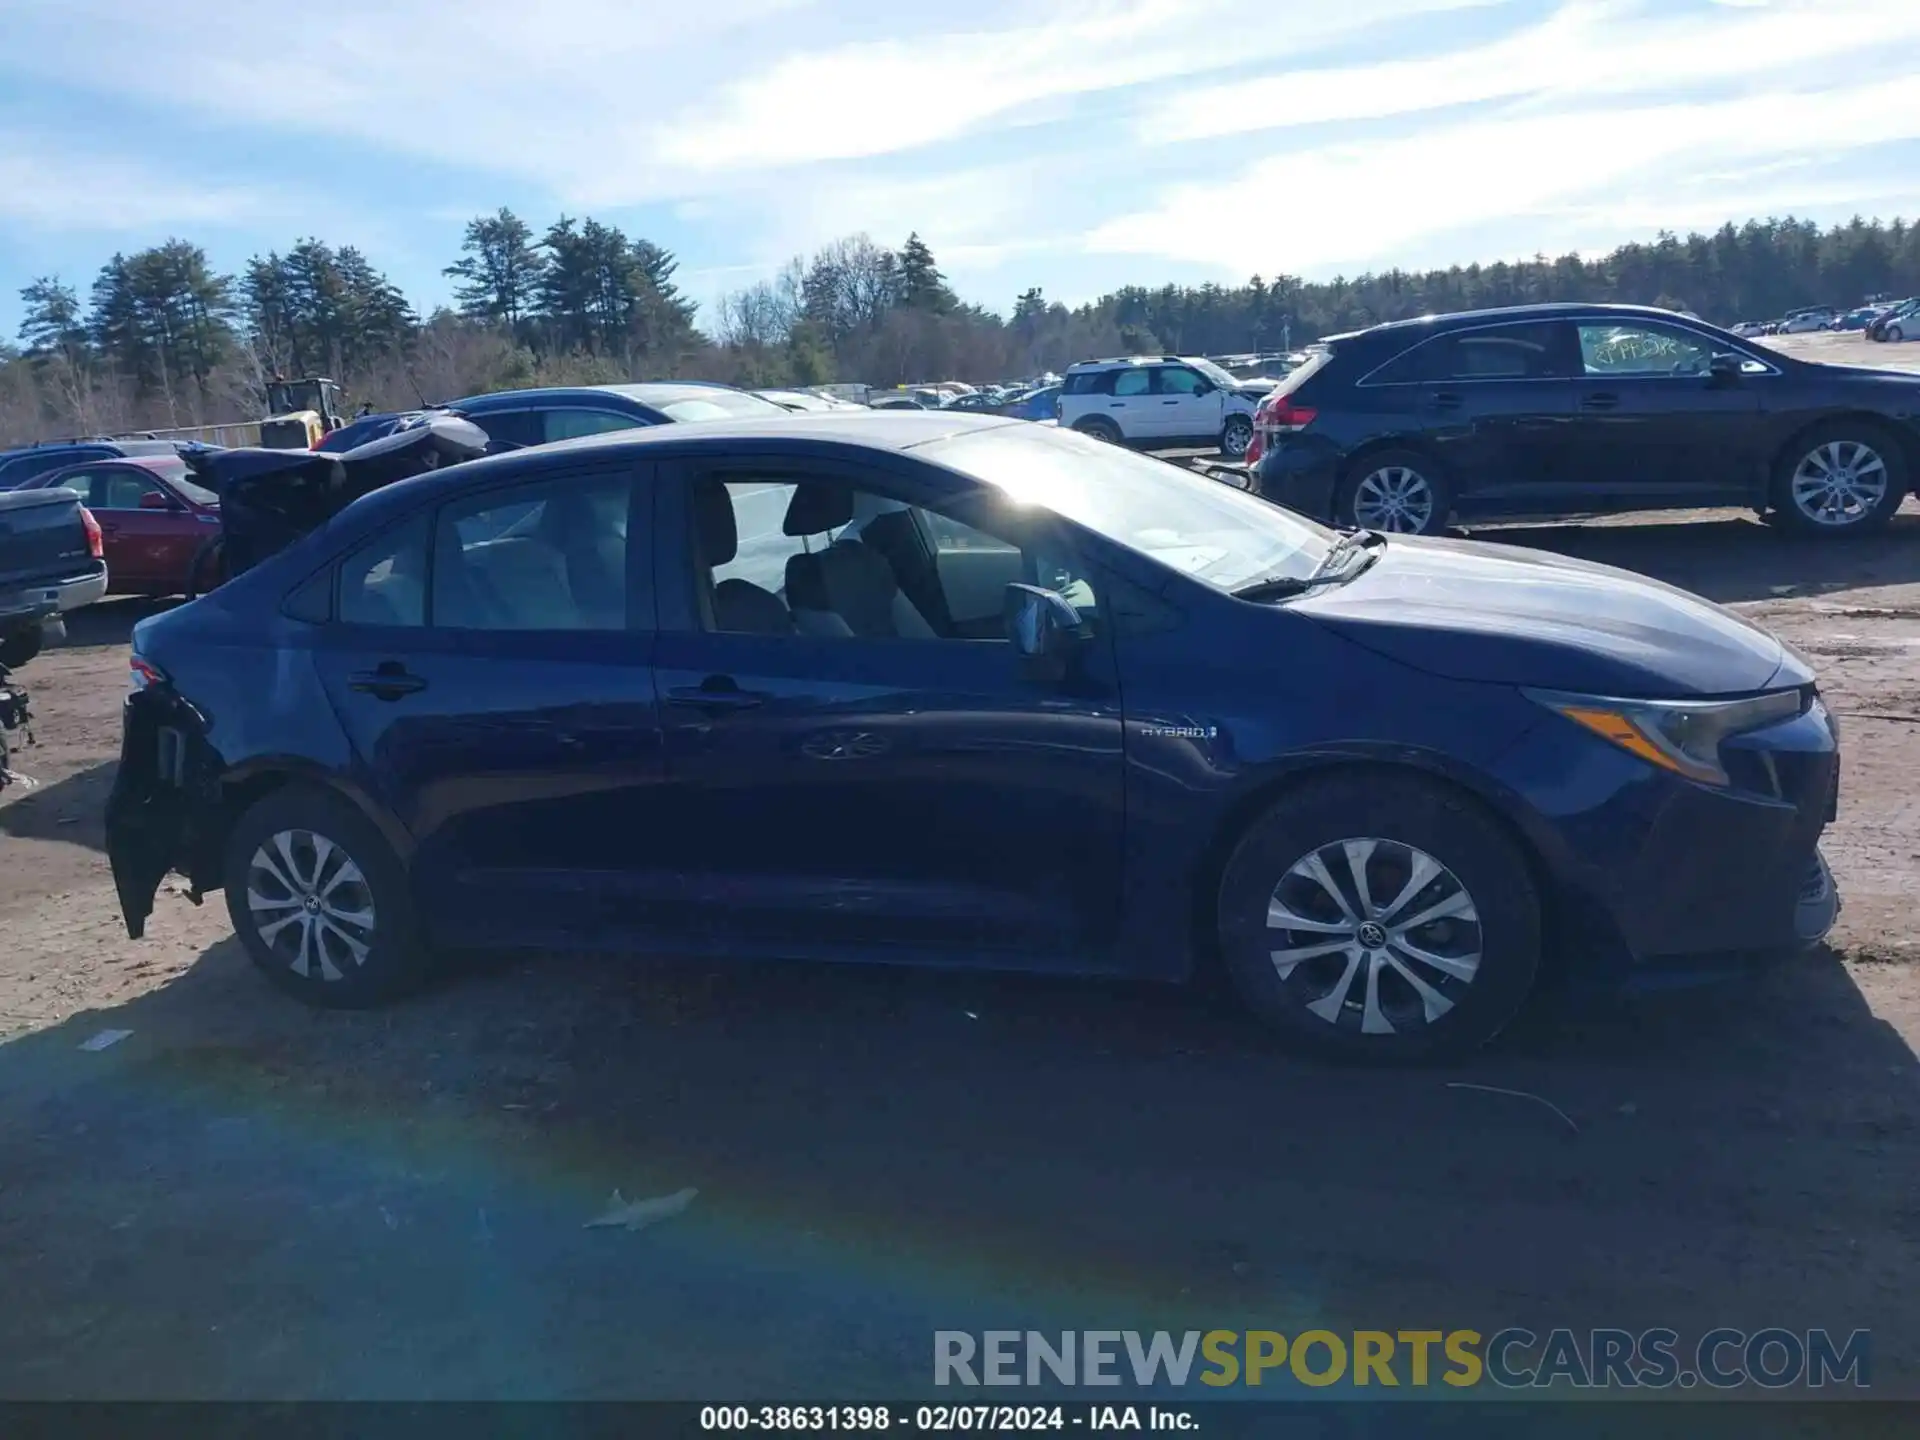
[701, 402]
[1200, 527]
[175, 473]
[1214, 373]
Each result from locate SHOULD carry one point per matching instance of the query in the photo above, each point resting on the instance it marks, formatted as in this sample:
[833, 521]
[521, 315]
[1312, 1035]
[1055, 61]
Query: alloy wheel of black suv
[1843, 478]
[1395, 491]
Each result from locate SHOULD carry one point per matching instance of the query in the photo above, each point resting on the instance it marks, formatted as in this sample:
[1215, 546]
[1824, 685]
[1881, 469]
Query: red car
[154, 520]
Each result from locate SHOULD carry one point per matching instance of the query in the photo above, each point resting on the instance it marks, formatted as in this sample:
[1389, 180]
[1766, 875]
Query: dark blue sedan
[964, 691]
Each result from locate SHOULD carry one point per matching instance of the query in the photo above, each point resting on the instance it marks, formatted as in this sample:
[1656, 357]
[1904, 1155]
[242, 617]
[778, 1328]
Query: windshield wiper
[1333, 568]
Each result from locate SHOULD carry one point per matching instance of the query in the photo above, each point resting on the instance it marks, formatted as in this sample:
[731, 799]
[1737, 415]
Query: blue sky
[1075, 145]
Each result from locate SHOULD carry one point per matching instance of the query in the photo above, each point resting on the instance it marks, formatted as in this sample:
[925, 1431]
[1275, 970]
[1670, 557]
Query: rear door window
[574, 424]
[1536, 351]
[551, 555]
[511, 429]
[1132, 382]
[384, 582]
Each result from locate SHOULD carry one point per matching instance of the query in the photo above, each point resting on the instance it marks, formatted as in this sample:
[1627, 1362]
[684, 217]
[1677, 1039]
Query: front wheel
[1395, 491]
[320, 903]
[1380, 917]
[1842, 479]
[1236, 435]
[1895, 334]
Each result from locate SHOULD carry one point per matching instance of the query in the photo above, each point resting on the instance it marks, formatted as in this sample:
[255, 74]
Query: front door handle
[1603, 401]
[390, 680]
[716, 692]
[1448, 400]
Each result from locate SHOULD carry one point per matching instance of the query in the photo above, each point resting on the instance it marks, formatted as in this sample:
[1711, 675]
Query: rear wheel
[1846, 478]
[320, 902]
[1099, 428]
[1396, 491]
[20, 646]
[1380, 917]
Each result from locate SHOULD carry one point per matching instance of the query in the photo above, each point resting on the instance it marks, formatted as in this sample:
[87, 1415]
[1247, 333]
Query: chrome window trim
[1367, 381]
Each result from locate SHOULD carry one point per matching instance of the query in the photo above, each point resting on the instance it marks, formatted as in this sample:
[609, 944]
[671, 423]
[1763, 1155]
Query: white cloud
[110, 196]
[1585, 49]
[570, 93]
[1347, 205]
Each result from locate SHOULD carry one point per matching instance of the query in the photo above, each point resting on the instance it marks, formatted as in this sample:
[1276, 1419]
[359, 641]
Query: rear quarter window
[1089, 382]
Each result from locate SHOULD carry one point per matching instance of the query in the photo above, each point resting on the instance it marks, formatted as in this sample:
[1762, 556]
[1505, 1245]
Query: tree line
[162, 338]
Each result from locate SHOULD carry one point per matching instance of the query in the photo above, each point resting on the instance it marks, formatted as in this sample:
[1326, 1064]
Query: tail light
[96, 542]
[1278, 412]
[143, 674]
[1255, 449]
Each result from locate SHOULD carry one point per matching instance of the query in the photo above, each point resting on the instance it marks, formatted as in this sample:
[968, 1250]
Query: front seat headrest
[817, 507]
[719, 538]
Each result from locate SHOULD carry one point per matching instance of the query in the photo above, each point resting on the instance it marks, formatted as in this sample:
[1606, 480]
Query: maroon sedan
[153, 518]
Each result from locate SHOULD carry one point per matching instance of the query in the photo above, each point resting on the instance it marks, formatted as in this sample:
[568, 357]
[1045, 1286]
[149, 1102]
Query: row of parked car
[1888, 320]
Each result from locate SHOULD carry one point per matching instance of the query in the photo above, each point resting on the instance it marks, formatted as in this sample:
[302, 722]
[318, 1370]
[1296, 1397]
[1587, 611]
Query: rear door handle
[389, 681]
[1603, 401]
[716, 692]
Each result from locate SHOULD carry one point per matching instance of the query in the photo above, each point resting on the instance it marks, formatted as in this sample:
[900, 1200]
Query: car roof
[643, 393]
[1559, 310]
[1118, 361]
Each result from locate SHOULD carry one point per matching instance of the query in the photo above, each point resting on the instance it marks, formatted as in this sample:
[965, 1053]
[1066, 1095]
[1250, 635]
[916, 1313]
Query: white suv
[1161, 400]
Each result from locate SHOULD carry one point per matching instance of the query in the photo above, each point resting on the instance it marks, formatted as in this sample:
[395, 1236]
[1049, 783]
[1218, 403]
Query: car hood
[1473, 611]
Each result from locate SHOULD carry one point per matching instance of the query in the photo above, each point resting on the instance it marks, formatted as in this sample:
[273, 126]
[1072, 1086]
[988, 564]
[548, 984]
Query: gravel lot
[244, 1199]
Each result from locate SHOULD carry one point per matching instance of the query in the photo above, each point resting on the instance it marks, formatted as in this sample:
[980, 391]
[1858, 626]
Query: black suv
[1551, 410]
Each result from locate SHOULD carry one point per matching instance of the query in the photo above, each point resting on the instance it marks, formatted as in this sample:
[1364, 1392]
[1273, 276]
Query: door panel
[923, 797]
[918, 794]
[1493, 404]
[1652, 427]
[1181, 411]
[524, 760]
[145, 549]
[1133, 406]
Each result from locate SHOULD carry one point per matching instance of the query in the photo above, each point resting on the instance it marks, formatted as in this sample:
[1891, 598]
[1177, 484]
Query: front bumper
[1659, 880]
[1299, 471]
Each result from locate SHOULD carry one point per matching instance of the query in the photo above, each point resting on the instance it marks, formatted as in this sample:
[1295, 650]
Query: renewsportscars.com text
[1513, 1358]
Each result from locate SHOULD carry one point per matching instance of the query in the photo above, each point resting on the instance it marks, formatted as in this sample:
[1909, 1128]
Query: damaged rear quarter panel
[241, 711]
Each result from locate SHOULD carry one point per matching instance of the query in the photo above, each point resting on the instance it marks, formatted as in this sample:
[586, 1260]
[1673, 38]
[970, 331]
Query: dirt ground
[245, 1199]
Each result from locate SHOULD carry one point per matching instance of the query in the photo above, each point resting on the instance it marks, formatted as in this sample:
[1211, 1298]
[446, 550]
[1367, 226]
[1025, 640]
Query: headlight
[1683, 736]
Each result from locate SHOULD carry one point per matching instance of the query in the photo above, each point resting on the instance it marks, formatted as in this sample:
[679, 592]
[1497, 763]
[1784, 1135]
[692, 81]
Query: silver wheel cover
[311, 904]
[1374, 935]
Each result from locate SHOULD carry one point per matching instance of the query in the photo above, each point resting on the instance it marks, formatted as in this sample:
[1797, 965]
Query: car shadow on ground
[244, 1197]
[71, 810]
[1734, 559]
[111, 621]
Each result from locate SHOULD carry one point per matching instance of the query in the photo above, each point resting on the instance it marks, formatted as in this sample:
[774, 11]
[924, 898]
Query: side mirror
[154, 500]
[1044, 628]
[1726, 367]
